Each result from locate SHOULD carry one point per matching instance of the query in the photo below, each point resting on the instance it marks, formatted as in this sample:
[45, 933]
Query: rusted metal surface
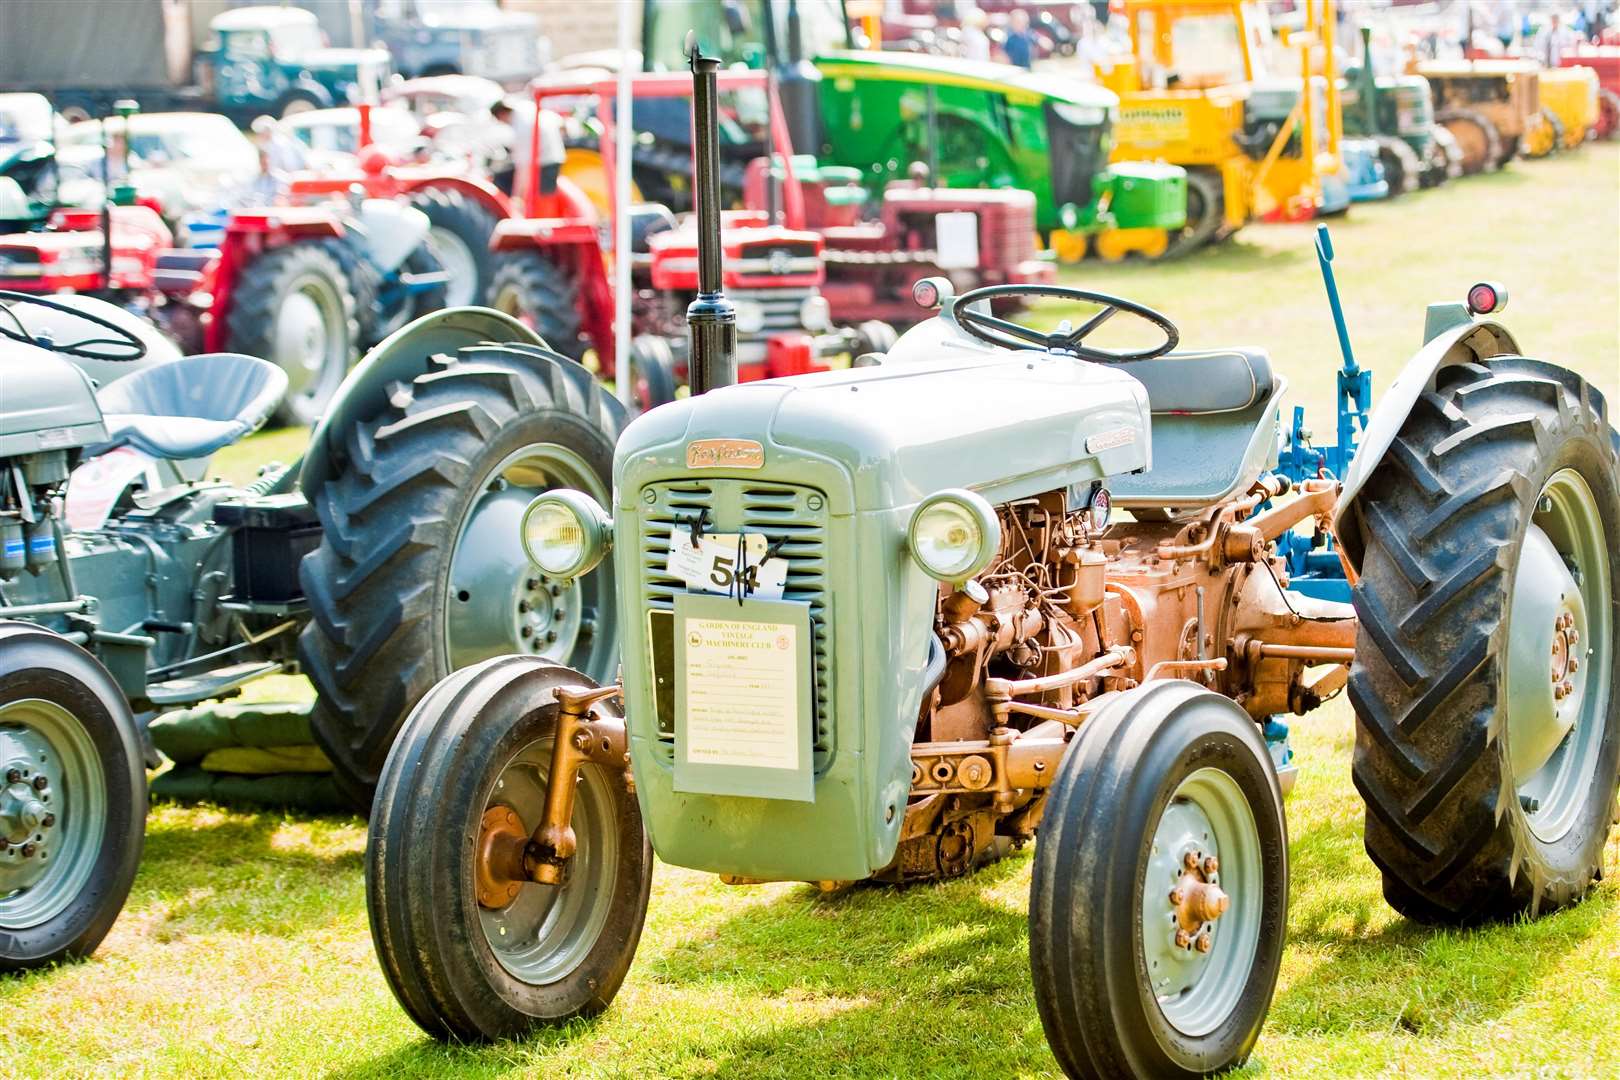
[580, 737]
[498, 870]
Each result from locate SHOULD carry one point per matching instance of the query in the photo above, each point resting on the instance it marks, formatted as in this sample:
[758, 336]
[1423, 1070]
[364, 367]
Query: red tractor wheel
[1608, 122]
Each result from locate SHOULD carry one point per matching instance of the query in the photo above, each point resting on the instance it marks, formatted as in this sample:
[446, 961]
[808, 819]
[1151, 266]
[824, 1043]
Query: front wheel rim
[52, 829]
[1207, 817]
[547, 931]
[1560, 656]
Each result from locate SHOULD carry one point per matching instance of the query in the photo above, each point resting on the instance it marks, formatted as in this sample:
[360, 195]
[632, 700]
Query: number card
[743, 706]
[713, 567]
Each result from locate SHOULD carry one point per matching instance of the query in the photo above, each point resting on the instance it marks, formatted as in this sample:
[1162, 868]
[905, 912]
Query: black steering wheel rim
[134, 347]
[1011, 335]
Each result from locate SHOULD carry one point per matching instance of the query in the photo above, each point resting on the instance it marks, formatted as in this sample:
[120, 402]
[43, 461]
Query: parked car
[274, 59]
[459, 37]
[332, 135]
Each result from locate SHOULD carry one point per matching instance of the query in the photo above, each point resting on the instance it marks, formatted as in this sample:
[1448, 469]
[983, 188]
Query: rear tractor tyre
[1488, 732]
[420, 570]
[542, 296]
[459, 239]
[1476, 137]
[295, 306]
[1159, 899]
[1544, 136]
[72, 799]
[1403, 169]
[1444, 159]
[1608, 122]
[473, 758]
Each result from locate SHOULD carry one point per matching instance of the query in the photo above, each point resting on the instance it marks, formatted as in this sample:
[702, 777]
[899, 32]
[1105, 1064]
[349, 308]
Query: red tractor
[550, 271]
[461, 205]
[1605, 60]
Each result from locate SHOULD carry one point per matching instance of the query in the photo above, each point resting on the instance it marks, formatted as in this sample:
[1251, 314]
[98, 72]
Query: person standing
[975, 42]
[1019, 44]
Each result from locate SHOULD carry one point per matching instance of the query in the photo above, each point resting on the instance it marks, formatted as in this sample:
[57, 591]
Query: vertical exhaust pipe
[711, 321]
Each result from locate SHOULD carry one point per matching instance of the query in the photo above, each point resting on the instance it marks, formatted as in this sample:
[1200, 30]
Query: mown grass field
[245, 949]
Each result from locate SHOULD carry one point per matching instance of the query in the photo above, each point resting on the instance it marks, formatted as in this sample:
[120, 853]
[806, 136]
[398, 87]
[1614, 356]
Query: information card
[743, 689]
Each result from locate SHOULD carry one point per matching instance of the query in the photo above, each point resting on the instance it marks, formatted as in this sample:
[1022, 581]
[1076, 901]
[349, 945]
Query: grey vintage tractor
[885, 623]
[131, 582]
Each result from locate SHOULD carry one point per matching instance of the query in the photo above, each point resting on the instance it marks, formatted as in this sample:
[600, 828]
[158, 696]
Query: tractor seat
[1213, 427]
[190, 407]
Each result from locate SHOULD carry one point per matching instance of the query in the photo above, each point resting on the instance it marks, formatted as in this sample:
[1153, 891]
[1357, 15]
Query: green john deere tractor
[977, 125]
[1397, 113]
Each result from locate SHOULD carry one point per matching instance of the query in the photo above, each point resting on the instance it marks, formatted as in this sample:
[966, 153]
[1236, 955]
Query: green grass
[244, 948]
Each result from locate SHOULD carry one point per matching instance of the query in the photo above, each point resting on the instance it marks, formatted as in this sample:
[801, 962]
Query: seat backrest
[207, 386]
[1210, 381]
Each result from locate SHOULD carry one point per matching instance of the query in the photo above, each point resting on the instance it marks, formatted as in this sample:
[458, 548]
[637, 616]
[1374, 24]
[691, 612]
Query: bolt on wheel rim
[500, 603]
[548, 930]
[1207, 817]
[1559, 656]
[460, 267]
[53, 811]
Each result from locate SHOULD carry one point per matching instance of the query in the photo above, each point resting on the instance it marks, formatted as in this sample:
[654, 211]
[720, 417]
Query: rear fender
[476, 189]
[398, 358]
[1454, 338]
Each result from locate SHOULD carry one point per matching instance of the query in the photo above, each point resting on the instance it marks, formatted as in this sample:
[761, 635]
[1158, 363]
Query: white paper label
[713, 567]
[94, 487]
[956, 239]
[742, 693]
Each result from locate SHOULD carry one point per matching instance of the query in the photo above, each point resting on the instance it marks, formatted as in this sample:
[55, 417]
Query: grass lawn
[245, 949]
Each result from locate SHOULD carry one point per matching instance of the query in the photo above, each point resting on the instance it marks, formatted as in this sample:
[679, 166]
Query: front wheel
[1159, 899]
[72, 799]
[470, 768]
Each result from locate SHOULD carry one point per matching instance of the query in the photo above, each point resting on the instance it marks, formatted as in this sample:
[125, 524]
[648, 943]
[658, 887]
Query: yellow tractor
[1195, 91]
[1569, 103]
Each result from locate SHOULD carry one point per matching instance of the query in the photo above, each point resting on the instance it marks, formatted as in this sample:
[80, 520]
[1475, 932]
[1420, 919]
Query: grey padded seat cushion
[190, 407]
[1212, 381]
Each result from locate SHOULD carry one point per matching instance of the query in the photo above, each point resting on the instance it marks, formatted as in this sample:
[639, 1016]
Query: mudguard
[398, 358]
[1453, 338]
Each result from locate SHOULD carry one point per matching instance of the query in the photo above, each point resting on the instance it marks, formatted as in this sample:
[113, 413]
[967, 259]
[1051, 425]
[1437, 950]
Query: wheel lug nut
[1177, 896]
[1183, 939]
[41, 783]
[1212, 865]
[523, 607]
[1568, 687]
[1574, 664]
[1559, 692]
[13, 776]
[532, 584]
[556, 590]
[28, 851]
[526, 632]
[1204, 943]
[551, 635]
[1190, 860]
[48, 820]
[1573, 635]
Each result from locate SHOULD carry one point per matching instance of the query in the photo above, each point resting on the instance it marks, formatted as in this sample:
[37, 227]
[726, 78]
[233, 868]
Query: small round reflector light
[1486, 297]
[926, 293]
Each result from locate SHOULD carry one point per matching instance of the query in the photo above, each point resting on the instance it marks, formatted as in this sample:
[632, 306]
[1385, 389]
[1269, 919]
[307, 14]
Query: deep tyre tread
[35, 663]
[1441, 521]
[378, 585]
[256, 300]
[419, 861]
[546, 296]
[470, 220]
[1402, 167]
[1493, 156]
[1091, 989]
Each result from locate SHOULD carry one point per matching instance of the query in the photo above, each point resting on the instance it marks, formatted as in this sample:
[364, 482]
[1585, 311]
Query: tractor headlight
[565, 533]
[750, 317]
[815, 314]
[954, 535]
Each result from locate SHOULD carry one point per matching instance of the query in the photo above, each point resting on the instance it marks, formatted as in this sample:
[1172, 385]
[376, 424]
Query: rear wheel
[1402, 167]
[294, 306]
[651, 372]
[1544, 135]
[1160, 891]
[421, 571]
[874, 336]
[1477, 139]
[471, 769]
[1444, 158]
[408, 308]
[542, 296]
[72, 799]
[1488, 734]
[1608, 123]
[459, 238]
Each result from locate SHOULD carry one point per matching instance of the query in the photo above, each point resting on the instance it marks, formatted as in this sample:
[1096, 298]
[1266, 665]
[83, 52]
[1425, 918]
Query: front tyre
[1488, 734]
[477, 750]
[72, 799]
[1159, 899]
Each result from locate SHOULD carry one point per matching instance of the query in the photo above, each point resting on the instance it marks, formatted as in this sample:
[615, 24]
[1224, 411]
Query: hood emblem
[725, 454]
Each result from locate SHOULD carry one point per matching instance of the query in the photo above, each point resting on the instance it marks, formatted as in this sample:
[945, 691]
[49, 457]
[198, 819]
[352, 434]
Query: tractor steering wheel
[125, 346]
[1011, 335]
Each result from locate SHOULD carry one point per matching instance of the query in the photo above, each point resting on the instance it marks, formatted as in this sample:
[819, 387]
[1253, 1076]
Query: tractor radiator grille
[781, 307]
[780, 512]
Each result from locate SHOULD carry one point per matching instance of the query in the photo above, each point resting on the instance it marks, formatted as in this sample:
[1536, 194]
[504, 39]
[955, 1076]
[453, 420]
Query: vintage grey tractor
[132, 582]
[884, 623]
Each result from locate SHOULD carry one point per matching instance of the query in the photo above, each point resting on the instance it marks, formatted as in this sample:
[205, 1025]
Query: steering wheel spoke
[1010, 335]
[126, 346]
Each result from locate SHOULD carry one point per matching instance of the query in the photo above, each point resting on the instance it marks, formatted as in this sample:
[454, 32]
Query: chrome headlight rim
[972, 509]
[567, 507]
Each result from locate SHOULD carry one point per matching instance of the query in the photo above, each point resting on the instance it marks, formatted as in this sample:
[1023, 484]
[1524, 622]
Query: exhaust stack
[711, 321]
